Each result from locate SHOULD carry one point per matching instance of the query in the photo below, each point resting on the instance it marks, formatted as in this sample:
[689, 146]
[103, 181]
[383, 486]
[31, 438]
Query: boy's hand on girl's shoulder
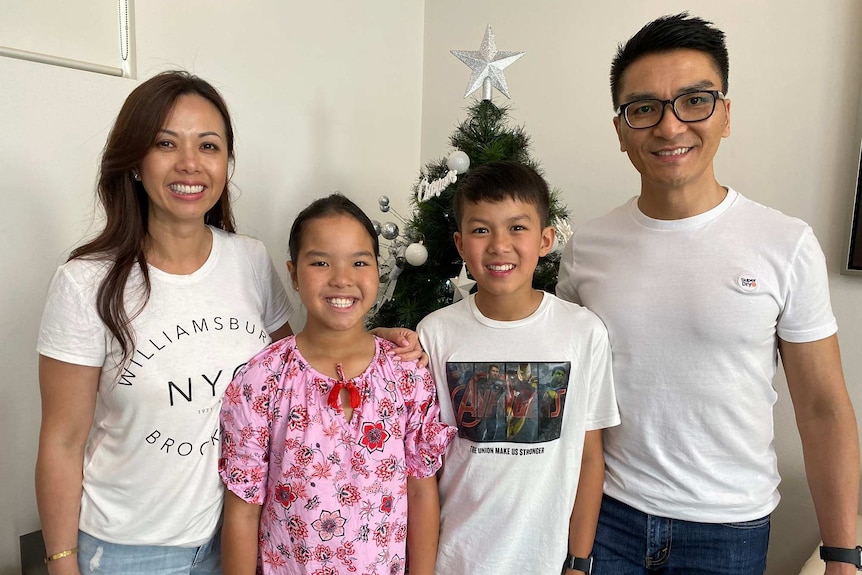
[407, 346]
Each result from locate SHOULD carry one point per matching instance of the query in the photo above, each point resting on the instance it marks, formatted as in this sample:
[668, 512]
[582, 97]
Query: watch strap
[842, 555]
[584, 564]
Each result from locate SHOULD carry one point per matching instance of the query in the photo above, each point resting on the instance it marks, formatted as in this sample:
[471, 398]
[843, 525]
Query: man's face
[673, 156]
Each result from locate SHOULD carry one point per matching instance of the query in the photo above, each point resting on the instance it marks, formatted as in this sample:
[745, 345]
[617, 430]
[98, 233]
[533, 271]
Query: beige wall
[795, 80]
[334, 94]
[326, 96]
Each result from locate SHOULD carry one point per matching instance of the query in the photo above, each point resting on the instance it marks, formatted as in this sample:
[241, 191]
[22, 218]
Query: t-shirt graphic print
[509, 401]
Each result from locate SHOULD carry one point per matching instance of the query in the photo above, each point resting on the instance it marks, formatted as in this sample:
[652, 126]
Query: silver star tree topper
[487, 65]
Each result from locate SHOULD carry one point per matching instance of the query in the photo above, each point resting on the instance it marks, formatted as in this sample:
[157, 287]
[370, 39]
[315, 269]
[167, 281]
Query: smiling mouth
[500, 267]
[186, 190]
[674, 152]
[340, 302]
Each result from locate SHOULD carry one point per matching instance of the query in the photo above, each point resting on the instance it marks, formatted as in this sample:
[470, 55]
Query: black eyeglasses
[688, 107]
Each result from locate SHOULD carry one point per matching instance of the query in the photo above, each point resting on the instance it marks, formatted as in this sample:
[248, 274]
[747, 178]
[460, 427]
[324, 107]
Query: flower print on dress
[330, 524]
[303, 455]
[347, 495]
[296, 527]
[387, 468]
[313, 503]
[274, 558]
[374, 436]
[386, 504]
[357, 464]
[323, 553]
[365, 478]
[401, 533]
[285, 495]
[407, 383]
[382, 534]
[345, 553]
[301, 553]
[298, 418]
[396, 567]
[386, 408]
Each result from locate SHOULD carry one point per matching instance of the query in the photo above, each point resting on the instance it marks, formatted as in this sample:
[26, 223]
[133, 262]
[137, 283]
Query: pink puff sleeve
[426, 437]
[245, 422]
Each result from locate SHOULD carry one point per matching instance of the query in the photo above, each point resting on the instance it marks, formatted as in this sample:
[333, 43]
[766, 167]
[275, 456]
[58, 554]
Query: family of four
[632, 438]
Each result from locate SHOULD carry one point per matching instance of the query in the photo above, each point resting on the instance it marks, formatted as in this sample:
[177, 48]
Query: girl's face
[335, 273]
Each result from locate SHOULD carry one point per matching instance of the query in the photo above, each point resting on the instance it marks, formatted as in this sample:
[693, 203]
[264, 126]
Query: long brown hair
[125, 201]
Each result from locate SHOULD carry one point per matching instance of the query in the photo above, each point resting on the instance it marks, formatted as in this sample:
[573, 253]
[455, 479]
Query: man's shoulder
[567, 311]
[767, 215]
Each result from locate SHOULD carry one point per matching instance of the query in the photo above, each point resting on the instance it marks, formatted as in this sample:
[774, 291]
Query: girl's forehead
[335, 230]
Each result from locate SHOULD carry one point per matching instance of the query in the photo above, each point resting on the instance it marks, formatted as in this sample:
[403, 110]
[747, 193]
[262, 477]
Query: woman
[143, 329]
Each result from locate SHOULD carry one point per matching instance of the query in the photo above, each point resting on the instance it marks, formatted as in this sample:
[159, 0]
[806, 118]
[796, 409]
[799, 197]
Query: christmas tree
[422, 270]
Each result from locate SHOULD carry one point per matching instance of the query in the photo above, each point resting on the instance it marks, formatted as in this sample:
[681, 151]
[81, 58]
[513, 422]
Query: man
[700, 288]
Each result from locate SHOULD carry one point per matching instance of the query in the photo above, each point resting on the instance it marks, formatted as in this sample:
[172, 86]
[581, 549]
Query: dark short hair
[503, 180]
[332, 205]
[676, 32]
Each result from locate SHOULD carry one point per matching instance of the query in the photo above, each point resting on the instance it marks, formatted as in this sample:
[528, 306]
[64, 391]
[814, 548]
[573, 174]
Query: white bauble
[416, 254]
[458, 162]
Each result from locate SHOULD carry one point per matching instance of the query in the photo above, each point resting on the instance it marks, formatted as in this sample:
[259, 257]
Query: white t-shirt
[150, 466]
[522, 394]
[693, 307]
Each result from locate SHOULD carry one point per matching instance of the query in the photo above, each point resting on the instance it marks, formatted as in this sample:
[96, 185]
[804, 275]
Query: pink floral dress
[334, 493]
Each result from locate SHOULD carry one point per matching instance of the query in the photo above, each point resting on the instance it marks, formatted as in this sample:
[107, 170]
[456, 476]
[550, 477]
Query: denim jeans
[629, 542]
[97, 557]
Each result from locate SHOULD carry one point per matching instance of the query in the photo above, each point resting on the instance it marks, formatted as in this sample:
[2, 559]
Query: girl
[326, 440]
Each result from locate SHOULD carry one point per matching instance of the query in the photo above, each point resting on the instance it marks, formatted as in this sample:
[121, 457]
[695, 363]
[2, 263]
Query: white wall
[795, 80]
[325, 95]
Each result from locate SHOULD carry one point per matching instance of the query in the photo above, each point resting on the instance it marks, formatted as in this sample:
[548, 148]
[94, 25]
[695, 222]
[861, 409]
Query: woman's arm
[407, 342]
[423, 524]
[281, 332]
[68, 403]
[239, 537]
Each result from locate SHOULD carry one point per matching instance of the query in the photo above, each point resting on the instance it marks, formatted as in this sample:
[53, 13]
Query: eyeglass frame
[716, 94]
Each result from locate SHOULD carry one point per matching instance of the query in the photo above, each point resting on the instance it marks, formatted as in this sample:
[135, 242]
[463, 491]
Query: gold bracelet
[61, 554]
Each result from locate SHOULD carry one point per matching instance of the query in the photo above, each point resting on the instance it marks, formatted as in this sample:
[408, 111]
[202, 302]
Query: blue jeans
[97, 557]
[629, 542]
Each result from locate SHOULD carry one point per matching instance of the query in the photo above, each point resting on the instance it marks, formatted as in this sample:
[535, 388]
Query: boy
[522, 482]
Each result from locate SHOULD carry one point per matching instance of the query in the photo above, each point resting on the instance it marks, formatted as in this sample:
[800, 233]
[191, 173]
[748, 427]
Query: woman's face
[185, 172]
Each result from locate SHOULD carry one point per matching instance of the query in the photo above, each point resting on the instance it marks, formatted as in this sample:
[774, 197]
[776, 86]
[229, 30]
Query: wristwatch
[579, 563]
[843, 555]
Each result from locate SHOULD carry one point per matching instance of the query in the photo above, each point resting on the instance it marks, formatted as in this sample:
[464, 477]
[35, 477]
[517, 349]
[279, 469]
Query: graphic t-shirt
[522, 394]
[150, 465]
[334, 493]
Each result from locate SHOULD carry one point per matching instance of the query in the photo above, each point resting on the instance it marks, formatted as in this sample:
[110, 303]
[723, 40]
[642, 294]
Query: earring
[136, 176]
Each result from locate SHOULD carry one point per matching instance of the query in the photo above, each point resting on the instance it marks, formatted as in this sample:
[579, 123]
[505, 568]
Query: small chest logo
[747, 282]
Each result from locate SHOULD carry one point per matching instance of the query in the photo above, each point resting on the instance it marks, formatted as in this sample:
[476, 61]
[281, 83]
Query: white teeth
[184, 189]
[501, 268]
[340, 302]
[676, 152]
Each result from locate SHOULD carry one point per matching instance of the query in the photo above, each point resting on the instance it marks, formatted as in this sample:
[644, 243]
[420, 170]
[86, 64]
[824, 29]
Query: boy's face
[501, 243]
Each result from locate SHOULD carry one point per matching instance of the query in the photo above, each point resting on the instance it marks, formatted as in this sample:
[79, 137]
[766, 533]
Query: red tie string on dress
[342, 383]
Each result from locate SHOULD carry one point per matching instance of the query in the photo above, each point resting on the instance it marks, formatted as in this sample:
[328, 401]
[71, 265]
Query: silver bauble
[389, 230]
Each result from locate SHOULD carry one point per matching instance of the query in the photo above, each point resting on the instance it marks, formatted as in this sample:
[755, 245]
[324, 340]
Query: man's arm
[239, 536]
[423, 524]
[830, 440]
[588, 501]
